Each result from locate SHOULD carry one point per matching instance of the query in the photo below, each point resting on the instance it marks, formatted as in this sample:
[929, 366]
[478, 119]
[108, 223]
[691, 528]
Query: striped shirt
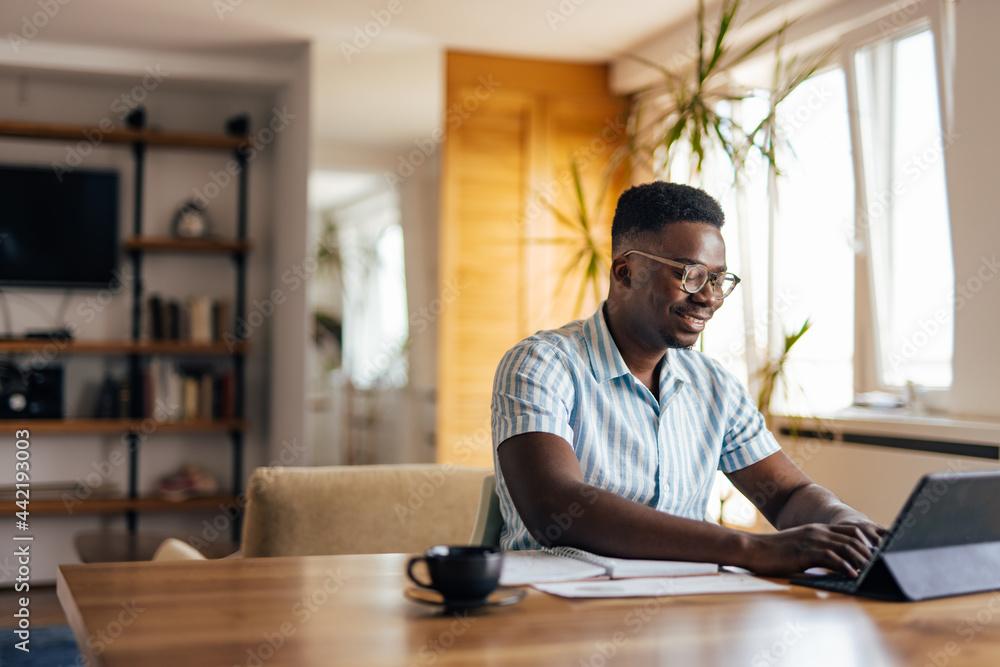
[572, 382]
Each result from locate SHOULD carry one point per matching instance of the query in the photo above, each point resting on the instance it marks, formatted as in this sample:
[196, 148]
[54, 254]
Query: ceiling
[380, 89]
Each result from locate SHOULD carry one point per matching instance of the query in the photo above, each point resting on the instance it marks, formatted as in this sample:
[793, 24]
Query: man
[607, 432]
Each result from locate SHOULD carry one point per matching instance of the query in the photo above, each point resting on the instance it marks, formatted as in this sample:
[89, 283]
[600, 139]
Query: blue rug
[51, 646]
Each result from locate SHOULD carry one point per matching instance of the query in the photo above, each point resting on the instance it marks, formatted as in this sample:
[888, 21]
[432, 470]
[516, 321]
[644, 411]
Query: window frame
[867, 362]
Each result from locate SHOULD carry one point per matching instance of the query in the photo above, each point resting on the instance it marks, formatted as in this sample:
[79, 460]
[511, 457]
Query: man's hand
[872, 532]
[841, 548]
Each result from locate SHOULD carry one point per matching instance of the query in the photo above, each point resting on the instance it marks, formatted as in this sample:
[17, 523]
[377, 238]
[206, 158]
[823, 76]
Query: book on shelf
[173, 320]
[198, 319]
[221, 319]
[107, 405]
[157, 330]
[569, 564]
[184, 392]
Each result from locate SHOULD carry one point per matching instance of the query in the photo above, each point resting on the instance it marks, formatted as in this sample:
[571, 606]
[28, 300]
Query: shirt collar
[606, 361]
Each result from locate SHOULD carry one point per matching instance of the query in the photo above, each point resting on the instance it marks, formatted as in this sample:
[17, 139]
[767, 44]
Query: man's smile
[695, 321]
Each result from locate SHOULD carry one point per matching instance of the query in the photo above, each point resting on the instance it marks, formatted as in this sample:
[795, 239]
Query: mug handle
[409, 571]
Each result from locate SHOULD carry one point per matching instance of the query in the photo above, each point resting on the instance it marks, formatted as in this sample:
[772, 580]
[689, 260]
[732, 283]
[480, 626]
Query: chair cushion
[359, 509]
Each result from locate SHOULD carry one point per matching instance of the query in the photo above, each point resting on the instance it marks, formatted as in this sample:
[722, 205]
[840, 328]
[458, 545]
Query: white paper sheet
[661, 586]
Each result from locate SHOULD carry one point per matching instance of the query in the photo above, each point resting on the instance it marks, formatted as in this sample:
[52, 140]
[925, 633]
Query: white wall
[874, 480]
[53, 89]
[971, 165]
[288, 244]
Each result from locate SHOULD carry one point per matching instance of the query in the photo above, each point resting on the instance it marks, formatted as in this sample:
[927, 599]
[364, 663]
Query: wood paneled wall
[512, 127]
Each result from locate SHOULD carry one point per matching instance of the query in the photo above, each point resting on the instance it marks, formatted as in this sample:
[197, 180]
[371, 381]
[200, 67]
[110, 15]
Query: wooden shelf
[171, 244]
[113, 426]
[165, 347]
[206, 141]
[57, 507]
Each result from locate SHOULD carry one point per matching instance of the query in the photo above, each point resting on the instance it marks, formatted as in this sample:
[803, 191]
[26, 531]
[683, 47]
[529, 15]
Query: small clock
[191, 222]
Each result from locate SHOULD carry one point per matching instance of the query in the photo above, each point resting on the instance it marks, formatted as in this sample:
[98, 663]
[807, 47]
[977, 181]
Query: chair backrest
[359, 509]
[489, 519]
[174, 549]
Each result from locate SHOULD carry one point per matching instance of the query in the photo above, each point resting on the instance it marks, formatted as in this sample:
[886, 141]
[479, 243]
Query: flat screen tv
[58, 230]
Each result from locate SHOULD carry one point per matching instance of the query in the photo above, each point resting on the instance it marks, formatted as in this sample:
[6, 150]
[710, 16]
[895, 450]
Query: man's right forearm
[601, 522]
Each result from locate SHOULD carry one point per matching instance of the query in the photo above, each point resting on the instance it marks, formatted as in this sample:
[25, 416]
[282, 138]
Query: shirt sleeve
[747, 439]
[532, 392]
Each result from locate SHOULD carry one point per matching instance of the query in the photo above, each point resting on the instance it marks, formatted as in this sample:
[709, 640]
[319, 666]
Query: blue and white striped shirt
[573, 382]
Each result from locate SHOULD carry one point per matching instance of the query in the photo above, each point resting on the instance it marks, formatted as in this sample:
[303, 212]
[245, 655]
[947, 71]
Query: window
[814, 247]
[860, 243]
[361, 287]
[904, 219]
[374, 287]
[811, 274]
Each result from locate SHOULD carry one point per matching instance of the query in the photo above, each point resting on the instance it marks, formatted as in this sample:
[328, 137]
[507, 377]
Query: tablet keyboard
[829, 582]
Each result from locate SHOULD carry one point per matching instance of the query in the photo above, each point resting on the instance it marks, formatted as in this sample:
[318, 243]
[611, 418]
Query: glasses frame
[710, 278]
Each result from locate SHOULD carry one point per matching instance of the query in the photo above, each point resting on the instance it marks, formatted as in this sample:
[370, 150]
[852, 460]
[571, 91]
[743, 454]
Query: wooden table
[350, 610]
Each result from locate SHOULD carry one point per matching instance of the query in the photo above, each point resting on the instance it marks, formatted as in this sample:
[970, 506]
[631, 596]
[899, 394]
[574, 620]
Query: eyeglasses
[695, 276]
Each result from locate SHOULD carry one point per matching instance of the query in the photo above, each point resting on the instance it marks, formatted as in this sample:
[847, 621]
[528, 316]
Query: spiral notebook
[569, 564]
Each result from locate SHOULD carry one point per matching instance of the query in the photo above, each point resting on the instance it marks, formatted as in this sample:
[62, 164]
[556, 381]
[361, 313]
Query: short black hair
[649, 207]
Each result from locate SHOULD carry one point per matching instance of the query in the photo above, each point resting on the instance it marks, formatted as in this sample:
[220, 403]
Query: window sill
[978, 437]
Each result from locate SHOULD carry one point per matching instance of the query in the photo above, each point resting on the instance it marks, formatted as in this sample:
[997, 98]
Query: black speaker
[31, 394]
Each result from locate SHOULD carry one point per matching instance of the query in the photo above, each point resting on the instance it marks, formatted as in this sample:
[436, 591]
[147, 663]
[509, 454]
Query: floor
[43, 606]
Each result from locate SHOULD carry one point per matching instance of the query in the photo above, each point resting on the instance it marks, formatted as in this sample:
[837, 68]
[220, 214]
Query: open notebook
[569, 564]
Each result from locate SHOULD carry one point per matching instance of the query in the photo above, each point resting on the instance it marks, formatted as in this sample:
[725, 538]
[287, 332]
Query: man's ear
[620, 271]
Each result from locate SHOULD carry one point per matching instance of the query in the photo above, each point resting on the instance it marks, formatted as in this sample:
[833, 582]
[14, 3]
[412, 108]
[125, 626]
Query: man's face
[666, 314]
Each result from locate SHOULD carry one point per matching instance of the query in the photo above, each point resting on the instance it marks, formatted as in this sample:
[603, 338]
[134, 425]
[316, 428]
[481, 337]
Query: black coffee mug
[460, 574]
